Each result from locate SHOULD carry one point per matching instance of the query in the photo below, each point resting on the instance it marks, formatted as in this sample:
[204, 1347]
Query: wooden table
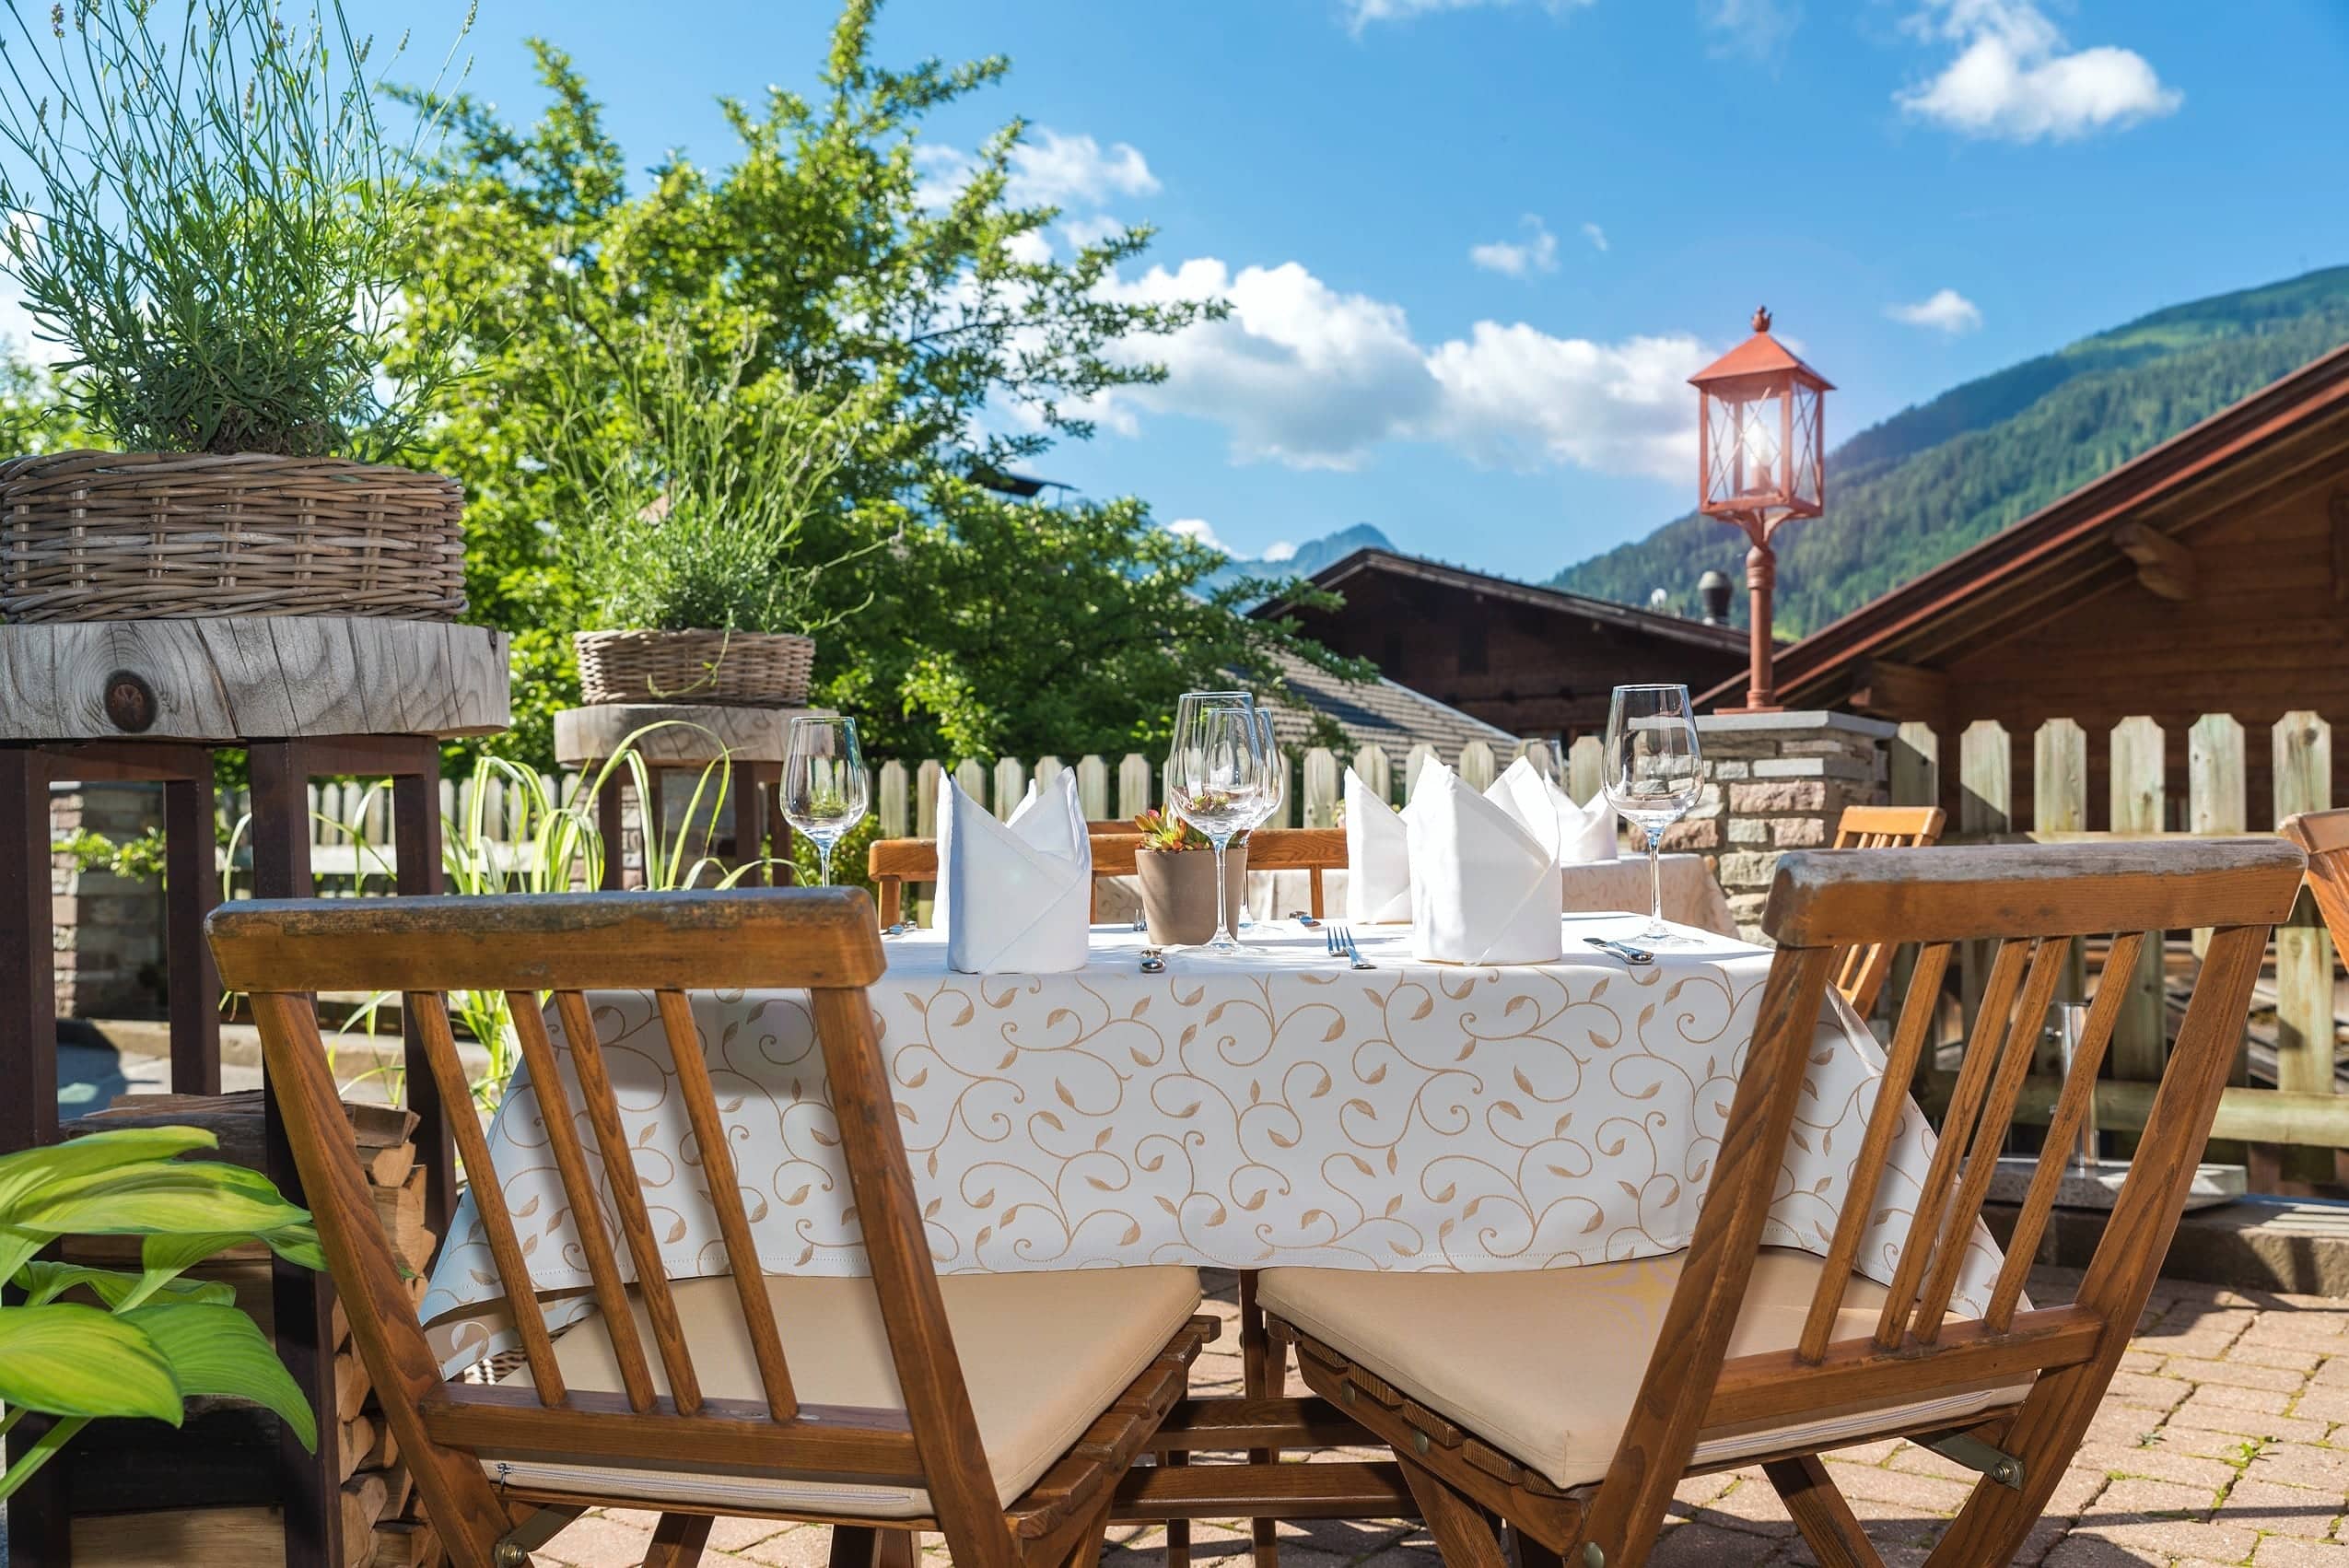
[307, 697]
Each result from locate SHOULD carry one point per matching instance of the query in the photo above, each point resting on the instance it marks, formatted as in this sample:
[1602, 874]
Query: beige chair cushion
[1043, 1355]
[1545, 1364]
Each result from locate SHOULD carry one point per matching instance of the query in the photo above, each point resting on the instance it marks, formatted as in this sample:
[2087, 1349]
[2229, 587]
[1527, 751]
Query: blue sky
[1477, 245]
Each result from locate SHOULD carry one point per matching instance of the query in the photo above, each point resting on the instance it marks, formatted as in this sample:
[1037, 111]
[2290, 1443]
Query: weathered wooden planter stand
[748, 742]
[307, 697]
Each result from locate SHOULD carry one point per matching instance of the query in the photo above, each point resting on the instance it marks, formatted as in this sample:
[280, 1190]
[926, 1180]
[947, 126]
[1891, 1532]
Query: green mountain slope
[1906, 495]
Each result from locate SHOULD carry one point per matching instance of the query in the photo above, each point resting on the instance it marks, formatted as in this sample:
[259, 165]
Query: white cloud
[1048, 169]
[1757, 30]
[1279, 550]
[1091, 230]
[1359, 13]
[1307, 376]
[1596, 235]
[1197, 530]
[2012, 78]
[1537, 252]
[1947, 312]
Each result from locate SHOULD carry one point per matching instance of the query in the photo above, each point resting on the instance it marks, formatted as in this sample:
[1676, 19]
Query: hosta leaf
[29, 1170]
[191, 1196]
[45, 1281]
[67, 1359]
[217, 1351]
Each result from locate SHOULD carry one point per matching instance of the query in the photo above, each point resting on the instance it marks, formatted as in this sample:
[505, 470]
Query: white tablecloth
[1272, 1108]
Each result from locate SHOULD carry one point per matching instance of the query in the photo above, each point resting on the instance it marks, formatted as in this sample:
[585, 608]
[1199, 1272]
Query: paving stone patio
[2225, 1440]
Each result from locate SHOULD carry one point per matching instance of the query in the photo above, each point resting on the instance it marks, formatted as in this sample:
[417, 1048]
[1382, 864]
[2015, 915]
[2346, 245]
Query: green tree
[972, 622]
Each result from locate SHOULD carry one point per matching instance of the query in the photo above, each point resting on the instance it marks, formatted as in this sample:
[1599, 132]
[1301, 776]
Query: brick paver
[2225, 1440]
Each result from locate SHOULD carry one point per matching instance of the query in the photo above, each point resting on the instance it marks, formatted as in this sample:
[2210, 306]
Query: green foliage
[849, 857]
[962, 622]
[92, 852]
[213, 225]
[693, 486]
[153, 1340]
[1907, 494]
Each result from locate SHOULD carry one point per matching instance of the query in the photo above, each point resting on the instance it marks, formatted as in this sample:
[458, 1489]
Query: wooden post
[1916, 765]
[1134, 785]
[1585, 766]
[2140, 1043]
[2216, 793]
[895, 805]
[1092, 788]
[1010, 786]
[2304, 1037]
[927, 779]
[1417, 757]
[1477, 770]
[1321, 788]
[1371, 764]
[1048, 768]
[1985, 804]
[2060, 804]
[970, 777]
[192, 862]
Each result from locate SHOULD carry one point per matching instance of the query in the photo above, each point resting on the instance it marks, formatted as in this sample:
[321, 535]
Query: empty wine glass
[824, 783]
[1275, 794]
[1655, 774]
[1189, 703]
[1215, 781]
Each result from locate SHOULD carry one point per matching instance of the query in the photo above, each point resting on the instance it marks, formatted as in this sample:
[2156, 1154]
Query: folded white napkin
[1378, 858]
[1016, 897]
[1581, 834]
[1485, 884]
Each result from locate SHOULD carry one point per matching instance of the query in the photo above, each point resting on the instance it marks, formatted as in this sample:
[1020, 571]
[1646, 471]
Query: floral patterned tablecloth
[1277, 1107]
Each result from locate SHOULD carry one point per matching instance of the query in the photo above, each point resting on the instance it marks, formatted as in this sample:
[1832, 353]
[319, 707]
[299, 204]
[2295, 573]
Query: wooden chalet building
[1525, 660]
[2210, 574]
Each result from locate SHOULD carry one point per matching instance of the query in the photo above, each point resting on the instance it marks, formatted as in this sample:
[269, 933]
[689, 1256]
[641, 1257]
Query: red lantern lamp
[1761, 453]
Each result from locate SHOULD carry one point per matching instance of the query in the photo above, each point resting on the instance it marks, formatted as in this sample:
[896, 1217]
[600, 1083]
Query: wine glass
[1189, 703]
[1215, 781]
[1654, 773]
[824, 783]
[1276, 789]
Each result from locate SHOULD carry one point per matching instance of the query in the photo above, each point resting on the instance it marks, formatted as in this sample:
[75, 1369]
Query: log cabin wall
[2262, 630]
[1529, 668]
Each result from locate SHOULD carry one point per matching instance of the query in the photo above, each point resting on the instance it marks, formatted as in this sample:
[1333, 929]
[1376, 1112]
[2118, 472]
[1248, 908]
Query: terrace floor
[2225, 1440]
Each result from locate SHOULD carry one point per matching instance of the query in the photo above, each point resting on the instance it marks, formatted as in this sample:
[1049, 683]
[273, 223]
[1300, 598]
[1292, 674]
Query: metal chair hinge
[1419, 1442]
[514, 1548]
[1975, 1454]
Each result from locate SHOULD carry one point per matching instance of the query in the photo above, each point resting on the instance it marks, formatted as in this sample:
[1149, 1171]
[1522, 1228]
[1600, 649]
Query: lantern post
[1761, 454]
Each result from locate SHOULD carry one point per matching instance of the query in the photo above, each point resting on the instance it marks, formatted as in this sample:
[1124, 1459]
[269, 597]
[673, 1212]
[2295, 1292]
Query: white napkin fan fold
[1016, 897]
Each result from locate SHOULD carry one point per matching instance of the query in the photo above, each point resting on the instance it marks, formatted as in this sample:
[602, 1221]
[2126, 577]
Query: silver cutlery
[900, 928]
[1623, 950]
[1340, 940]
[1304, 920]
[1153, 961]
[1140, 924]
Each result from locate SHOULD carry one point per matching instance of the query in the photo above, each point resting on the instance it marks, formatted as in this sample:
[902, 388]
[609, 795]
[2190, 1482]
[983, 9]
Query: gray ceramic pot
[1178, 891]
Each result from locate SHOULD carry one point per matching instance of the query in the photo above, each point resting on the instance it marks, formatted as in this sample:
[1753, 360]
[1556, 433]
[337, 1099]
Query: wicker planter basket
[729, 669]
[111, 536]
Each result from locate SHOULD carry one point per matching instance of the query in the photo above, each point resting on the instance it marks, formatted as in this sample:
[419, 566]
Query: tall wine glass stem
[1223, 939]
[823, 862]
[1656, 884]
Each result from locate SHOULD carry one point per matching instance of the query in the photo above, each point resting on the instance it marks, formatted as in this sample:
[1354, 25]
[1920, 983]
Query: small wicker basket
[111, 536]
[729, 669]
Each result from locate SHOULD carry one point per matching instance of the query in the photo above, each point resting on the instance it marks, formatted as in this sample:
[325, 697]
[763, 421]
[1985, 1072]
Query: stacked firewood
[380, 1523]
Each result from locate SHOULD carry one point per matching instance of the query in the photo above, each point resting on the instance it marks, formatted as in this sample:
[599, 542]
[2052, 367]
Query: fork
[1340, 941]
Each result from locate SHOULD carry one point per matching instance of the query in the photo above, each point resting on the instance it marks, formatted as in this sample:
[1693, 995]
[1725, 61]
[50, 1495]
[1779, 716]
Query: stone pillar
[109, 929]
[1778, 781]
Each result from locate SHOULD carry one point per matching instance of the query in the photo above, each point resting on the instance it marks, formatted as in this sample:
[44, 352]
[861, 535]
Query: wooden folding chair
[1517, 1394]
[2325, 836]
[893, 862]
[1003, 1409]
[1862, 972]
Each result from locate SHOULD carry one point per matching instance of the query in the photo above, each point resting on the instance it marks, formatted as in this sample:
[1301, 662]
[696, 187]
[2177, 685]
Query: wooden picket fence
[905, 796]
[2307, 1106]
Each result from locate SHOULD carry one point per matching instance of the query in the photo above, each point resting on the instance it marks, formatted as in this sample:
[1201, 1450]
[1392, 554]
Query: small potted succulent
[694, 484]
[1177, 865]
[210, 230]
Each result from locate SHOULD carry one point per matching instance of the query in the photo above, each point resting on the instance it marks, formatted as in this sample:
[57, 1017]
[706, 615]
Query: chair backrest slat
[2064, 1129]
[1866, 967]
[428, 1015]
[726, 1198]
[1875, 1146]
[627, 1198]
[2048, 959]
[579, 1191]
[1973, 1081]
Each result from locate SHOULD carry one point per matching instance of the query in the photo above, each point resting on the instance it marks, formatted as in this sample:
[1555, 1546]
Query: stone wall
[109, 929]
[1777, 781]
